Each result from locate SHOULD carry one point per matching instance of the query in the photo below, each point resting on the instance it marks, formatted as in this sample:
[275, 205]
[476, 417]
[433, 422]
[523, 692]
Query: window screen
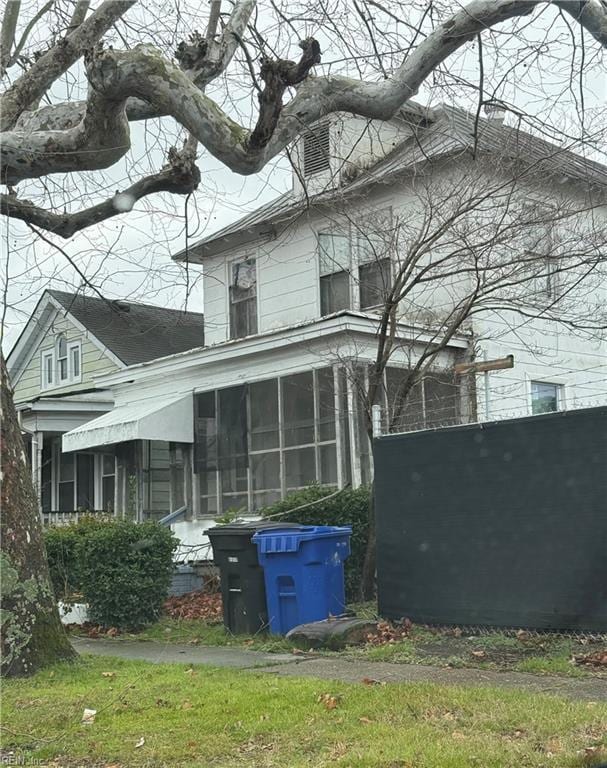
[205, 432]
[298, 409]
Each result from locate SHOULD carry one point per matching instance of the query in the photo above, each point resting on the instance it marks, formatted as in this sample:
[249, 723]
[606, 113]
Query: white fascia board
[87, 334]
[351, 323]
[91, 406]
[34, 331]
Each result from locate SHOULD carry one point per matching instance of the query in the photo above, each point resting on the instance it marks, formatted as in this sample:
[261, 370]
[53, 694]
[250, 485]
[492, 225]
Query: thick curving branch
[201, 61]
[277, 77]
[34, 83]
[122, 81]
[180, 176]
[591, 14]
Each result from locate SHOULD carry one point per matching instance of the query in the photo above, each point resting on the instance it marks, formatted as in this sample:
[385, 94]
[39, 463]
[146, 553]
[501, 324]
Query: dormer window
[316, 149]
[61, 365]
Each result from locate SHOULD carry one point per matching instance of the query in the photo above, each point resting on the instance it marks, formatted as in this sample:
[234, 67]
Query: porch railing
[65, 518]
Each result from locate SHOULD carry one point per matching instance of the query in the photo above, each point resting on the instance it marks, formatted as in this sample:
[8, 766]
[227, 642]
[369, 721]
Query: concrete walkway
[342, 668]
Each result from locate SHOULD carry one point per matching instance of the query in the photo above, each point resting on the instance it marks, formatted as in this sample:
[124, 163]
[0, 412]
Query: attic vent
[316, 147]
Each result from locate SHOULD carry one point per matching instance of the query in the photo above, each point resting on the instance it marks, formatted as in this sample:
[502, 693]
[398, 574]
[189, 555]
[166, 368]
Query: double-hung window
[62, 360]
[243, 299]
[48, 368]
[334, 254]
[374, 264]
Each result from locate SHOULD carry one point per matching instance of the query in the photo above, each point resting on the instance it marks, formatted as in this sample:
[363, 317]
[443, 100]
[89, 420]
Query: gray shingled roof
[450, 132]
[134, 332]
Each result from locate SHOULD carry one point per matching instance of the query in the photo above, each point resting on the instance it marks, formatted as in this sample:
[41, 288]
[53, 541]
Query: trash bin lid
[274, 541]
[247, 529]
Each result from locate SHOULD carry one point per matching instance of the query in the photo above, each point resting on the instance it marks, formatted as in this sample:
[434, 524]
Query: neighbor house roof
[135, 333]
[447, 131]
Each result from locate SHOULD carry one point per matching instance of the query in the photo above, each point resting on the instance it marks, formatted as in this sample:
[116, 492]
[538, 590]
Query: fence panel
[501, 524]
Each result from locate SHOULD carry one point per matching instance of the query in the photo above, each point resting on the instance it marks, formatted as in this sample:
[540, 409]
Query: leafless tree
[82, 82]
[469, 242]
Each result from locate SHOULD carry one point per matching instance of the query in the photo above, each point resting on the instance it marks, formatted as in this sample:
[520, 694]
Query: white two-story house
[276, 399]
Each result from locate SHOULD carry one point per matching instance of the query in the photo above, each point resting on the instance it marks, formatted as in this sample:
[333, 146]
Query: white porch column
[36, 448]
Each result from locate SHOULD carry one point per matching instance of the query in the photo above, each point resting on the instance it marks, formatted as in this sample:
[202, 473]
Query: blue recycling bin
[303, 572]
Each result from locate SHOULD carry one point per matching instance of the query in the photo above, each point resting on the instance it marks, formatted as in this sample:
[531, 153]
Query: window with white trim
[373, 243]
[74, 354]
[47, 365]
[334, 255]
[546, 397]
[62, 364]
[62, 359]
[243, 298]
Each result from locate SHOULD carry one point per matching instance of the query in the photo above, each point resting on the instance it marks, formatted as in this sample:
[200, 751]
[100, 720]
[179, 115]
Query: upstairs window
[334, 255]
[540, 253]
[243, 299]
[48, 369]
[62, 364]
[545, 397]
[62, 360]
[316, 150]
[374, 282]
[374, 264]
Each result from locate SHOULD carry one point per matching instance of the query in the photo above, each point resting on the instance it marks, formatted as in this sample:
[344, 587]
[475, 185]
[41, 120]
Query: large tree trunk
[32, 633]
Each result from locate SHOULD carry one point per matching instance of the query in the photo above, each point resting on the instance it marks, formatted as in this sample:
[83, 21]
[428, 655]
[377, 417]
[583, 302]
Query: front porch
[251, 444]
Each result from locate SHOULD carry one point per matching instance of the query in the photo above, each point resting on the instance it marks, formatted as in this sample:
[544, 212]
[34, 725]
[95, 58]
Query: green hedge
[350, 507]
[122, 569]
[64, 564]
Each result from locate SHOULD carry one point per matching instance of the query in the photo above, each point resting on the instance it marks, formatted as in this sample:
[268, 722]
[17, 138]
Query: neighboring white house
[270, 403]
[70, 339]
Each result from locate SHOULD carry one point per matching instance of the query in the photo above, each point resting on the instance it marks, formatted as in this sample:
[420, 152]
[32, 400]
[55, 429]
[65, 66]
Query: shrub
[122, 569]
[350, 507]
[61, 548]
[125, 570]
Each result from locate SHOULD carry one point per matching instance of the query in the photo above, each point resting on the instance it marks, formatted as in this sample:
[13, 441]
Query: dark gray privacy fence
[501, 524]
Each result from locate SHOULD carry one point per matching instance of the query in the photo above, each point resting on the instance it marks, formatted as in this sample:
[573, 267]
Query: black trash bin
[243, 589]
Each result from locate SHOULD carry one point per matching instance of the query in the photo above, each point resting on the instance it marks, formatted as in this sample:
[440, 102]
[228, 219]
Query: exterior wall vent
[316, 150]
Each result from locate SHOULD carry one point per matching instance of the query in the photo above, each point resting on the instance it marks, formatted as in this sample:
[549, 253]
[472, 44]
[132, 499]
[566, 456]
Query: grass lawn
[545, 654]
[209, 717]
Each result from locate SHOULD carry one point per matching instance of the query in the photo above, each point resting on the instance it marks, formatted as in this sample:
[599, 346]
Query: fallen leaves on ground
[329, 701]
[594, 659]
[479, 654]
[387, 632]
[140, 743]
[195, 605]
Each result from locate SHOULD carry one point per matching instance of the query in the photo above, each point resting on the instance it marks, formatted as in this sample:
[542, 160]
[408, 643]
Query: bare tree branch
[34, 83]
[7, 32]
[179, 176]
[79, 14]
